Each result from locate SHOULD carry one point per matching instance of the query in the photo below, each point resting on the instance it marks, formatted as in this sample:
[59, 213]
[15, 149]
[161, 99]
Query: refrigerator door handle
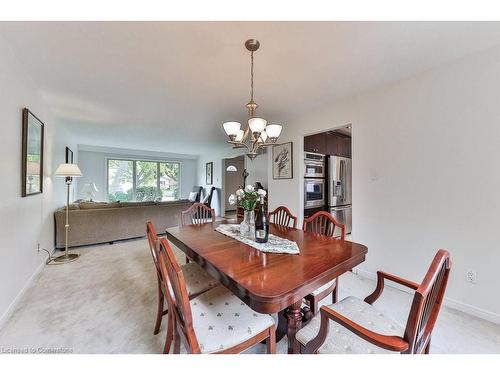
[342, 180]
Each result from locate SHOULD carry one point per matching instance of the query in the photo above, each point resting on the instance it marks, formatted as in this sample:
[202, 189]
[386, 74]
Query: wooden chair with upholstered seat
[325, 224]
[355, 326]
[282, 216]
[197, 282]
[214, 322]
[198, 213]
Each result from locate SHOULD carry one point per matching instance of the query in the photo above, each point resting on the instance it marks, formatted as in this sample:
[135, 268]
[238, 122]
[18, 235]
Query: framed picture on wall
[283, 161]
[209, 173]
[69, 156]
[32, 158]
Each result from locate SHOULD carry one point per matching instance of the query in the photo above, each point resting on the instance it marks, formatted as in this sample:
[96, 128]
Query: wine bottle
[261, 224]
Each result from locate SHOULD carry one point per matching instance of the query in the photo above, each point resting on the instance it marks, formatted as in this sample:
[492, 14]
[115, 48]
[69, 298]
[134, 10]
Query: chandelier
[258, 133]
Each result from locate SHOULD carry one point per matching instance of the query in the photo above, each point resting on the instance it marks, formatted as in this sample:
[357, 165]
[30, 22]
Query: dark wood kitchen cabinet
[346, 148]
[338, 144]
[328, 143]
[315, 143]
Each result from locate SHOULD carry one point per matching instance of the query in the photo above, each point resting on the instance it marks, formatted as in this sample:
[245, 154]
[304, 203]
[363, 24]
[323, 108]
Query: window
[146, 181]
[142, 180]
[120, 180]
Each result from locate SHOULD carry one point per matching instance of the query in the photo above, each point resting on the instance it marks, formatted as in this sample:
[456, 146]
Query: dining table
[271, 283]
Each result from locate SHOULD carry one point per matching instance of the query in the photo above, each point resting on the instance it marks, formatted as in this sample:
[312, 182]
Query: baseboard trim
[448, 302]
[10, 310]
[472, 310]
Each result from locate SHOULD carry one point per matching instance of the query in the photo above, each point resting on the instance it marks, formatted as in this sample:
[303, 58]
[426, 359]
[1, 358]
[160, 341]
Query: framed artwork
[69, 156]
[32, 157]
[283, 161]
[209, 173]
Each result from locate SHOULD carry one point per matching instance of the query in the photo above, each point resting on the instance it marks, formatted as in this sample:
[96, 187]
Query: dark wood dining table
[267, 282]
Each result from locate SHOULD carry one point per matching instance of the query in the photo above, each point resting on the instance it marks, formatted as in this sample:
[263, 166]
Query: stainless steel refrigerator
[340, 190]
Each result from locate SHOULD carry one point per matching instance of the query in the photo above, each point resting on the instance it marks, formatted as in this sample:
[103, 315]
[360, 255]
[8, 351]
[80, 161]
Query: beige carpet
[106, 302]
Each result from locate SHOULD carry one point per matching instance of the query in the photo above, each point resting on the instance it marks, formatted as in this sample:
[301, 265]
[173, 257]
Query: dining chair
[282, 216]
[198, 213]
[197, 281]
[355, 326]
[325, 224]
[214, 322]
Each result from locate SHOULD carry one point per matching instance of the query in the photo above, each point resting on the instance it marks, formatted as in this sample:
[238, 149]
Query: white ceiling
[168, 86]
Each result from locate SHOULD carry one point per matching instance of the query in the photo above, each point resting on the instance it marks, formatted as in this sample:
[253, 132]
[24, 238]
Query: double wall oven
[314, 180]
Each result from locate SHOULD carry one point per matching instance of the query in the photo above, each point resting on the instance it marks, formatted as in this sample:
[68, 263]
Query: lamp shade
[239, 135]
[263, 136]
[273, 130]
[68, 170]
[257, 124]
[231, 127]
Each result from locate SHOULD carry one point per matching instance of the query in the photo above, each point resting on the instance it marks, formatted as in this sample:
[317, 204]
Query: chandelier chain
[251, 76]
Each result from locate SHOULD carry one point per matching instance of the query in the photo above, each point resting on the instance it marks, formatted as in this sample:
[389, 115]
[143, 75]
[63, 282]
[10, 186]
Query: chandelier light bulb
[257, 124]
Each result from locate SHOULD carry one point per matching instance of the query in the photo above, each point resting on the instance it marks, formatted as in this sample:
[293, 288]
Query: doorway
[233, 170]
[328, 174]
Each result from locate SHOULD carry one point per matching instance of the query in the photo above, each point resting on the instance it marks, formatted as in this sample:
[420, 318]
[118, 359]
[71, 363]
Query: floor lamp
[68, 171]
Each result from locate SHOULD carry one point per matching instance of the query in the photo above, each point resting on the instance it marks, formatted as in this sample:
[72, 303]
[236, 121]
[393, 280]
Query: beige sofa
[98, 222]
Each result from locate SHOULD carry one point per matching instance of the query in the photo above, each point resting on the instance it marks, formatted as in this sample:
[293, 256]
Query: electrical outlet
[471, 276]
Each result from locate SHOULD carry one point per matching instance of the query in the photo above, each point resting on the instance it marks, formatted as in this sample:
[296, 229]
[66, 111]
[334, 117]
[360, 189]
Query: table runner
[276, 245]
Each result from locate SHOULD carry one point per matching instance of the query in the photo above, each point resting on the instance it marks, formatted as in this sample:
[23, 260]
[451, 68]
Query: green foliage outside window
[153, 180]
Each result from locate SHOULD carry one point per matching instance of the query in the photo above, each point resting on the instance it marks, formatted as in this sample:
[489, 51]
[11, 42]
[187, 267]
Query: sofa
[100, 222]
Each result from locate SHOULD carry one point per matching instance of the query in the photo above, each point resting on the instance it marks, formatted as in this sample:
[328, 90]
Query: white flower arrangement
[247, 198]
[232, 199]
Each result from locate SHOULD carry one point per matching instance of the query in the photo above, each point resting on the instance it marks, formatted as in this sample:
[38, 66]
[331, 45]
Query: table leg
[294, 315]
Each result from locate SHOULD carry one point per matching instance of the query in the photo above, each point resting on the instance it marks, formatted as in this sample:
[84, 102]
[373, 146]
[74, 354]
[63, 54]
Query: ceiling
[168, 86]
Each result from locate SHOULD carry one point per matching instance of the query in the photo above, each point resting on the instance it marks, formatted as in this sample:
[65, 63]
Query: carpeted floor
[106, 303]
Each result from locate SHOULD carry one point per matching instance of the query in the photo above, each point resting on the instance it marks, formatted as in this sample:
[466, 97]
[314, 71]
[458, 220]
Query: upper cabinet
[338, 144]
[328, 143]
[315, 143]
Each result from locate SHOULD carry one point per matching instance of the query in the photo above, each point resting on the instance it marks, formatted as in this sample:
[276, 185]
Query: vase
[247, 226]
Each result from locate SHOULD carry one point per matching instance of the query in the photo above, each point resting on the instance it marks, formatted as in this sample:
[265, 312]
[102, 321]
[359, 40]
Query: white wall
[215, 157]
[257, 169]
[426, 175]
[24, 222]
[92, 162]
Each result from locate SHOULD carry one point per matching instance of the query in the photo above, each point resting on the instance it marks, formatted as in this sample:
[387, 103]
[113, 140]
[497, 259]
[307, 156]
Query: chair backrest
[427, 303]
[282, 216]
[198, 213]
[177, 296]
[323, 223]
[153, 244]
